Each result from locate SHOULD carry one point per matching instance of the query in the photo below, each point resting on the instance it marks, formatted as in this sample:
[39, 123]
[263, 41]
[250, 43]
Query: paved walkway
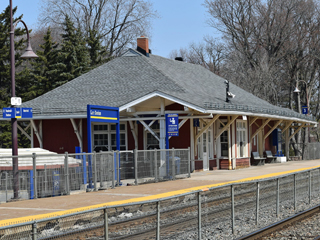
[27, 209]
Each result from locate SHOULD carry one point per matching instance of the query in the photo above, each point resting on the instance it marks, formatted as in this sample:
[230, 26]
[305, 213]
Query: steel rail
[281, 224]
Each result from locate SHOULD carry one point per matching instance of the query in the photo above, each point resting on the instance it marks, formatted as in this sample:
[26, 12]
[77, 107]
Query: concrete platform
[28, 210]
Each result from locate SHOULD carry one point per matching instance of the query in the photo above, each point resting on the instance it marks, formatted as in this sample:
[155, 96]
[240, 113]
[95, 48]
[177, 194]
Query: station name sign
[101, 114]
[17, 112]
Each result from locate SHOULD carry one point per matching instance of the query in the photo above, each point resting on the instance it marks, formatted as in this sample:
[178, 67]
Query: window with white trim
[224, 143]
[105, 137]
[242, 138]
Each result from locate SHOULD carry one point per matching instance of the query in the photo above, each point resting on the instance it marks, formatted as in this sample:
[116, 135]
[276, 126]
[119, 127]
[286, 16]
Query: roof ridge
[160, 71]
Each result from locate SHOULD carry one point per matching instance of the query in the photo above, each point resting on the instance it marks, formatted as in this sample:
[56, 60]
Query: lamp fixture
[296, 90]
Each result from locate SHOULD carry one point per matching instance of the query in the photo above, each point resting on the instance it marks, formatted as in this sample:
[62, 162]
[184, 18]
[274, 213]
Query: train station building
[220, 122]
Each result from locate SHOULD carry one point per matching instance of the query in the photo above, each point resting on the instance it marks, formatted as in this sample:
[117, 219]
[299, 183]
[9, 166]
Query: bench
[256, 160]
[269, 157]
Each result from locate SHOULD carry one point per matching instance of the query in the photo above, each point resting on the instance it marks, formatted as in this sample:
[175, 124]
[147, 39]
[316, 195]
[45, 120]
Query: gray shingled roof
[133, 76]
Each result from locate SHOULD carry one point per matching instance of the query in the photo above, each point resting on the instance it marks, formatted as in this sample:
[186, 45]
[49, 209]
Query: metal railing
[224, 212]
[49, 175]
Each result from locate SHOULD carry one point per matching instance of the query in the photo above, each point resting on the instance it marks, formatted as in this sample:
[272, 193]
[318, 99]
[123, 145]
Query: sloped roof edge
[160, 94]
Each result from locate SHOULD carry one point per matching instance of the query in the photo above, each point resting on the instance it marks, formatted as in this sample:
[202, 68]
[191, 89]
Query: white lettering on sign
[95, 113]
[8, 115]
[25, 110]
[8, 110]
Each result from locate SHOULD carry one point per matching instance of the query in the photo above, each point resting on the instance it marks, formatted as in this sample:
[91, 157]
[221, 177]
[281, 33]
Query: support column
[162, 142]
[233, 146]
[287, 140]
[215, 147]
[192, 145]
[263, 141]
[229, 145]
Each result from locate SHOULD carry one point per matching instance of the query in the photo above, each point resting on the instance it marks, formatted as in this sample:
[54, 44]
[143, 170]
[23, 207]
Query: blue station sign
[103, 114]
[17, 112]
[304, 109]
[172, 124]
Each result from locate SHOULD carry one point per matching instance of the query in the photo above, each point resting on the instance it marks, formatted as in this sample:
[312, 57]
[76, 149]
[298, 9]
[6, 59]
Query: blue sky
[181, 22]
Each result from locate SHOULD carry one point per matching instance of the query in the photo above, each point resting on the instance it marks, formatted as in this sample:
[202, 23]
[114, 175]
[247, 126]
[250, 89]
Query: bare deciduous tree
[273, 46]
[210, 54]
[117, 22]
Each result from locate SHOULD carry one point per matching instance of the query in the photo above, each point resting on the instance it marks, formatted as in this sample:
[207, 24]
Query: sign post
[102, 114]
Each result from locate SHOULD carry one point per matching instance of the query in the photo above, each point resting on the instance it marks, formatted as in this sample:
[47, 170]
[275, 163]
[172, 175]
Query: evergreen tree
[97, 52]
[73, 57]
[43, 74]
[5, 76]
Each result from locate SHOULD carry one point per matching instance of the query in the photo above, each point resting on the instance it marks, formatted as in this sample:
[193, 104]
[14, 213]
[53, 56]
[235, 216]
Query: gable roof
[133, 76]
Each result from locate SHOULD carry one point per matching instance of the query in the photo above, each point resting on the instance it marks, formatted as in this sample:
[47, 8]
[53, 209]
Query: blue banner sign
[26, 112]
[304, 109]
[172, 124]
[99, 114]
[8, 113]
[17, 112]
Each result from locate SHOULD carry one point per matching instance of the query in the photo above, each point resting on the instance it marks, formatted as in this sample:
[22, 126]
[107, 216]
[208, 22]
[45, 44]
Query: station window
[104, 136]
[224, 144]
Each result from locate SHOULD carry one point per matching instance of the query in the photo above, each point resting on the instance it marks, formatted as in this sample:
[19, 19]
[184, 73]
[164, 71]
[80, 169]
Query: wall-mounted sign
[17, 112]
[304, 109]
[103, 115]
[172, 124]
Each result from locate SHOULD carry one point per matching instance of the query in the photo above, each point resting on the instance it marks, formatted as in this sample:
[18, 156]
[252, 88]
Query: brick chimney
[143, 45]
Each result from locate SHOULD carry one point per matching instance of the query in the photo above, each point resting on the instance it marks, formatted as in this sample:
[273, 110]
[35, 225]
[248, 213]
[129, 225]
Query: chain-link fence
[48, 175]
[312, 151]
[160, 165]
[224, 212]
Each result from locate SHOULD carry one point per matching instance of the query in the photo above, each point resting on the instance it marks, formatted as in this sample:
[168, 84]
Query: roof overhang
[261, 115]
[165, 96]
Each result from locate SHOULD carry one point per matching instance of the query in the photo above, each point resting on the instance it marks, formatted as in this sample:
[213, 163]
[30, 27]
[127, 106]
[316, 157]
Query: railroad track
[217, 210]
[271, 229]
[177, 216]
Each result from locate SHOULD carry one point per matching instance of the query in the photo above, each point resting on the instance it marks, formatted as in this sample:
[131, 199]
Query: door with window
[242, 138]
[205, 146]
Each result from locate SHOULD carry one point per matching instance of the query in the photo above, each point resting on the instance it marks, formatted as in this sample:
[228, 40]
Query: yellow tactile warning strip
[13, 221]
